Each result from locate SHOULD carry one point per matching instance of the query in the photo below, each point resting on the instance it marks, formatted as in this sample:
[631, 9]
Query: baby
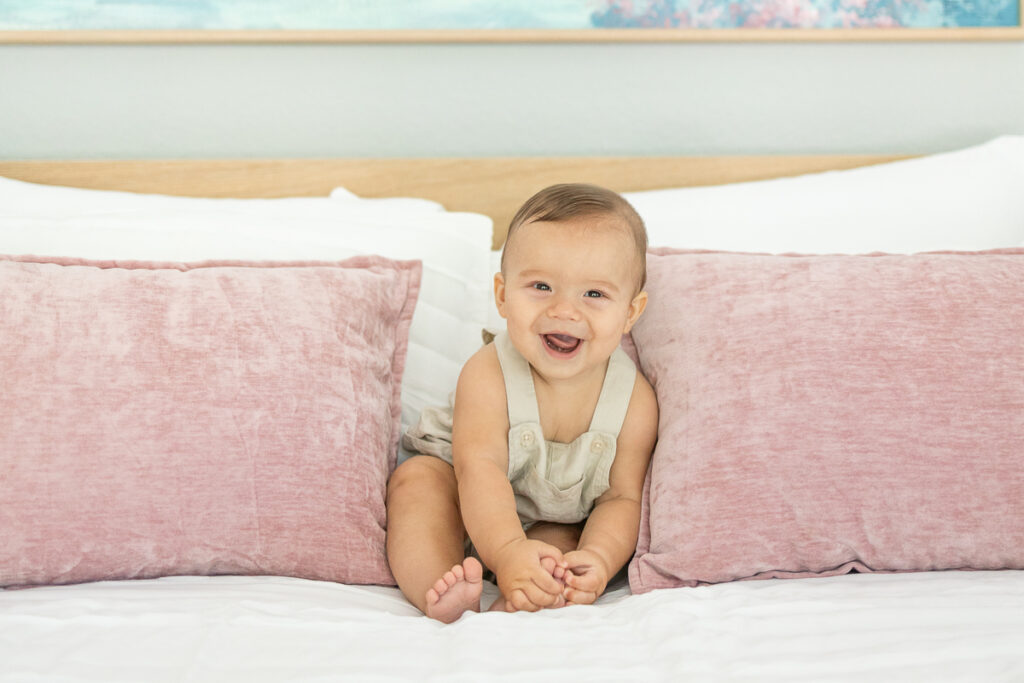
[539, 464]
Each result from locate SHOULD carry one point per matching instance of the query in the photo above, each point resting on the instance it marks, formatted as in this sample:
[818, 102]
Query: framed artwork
[87, 21]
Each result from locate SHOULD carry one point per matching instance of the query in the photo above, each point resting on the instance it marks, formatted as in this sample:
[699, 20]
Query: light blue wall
[484, 100]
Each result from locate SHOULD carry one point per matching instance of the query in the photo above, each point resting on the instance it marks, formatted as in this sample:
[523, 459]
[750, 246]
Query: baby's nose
[563, 310]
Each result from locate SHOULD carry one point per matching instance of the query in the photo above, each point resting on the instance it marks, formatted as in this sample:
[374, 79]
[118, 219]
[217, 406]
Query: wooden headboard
[492, 186]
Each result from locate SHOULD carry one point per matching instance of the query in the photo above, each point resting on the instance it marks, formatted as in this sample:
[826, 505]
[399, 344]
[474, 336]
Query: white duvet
[941, 626]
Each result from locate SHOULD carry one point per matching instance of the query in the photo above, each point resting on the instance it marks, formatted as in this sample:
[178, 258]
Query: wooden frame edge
[499, 36]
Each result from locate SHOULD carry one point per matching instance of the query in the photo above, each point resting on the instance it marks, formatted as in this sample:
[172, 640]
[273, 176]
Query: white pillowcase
[969, 199]
[19, 199]
[455, 296]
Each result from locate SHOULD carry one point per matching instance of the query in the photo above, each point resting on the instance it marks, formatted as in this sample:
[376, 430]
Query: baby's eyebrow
[532, 273]
[604, 284]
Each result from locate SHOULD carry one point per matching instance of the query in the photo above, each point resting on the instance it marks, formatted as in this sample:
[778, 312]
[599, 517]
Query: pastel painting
[501, 14]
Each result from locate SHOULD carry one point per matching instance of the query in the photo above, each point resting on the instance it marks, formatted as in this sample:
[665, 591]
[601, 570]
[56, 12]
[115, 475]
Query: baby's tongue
[562, 341]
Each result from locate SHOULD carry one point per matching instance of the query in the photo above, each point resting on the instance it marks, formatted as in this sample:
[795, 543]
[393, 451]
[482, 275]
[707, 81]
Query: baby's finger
[542, 598]
[518, 601]
[549, 565]
[583, 582]
[547, 582]
[578, 597]
[554, 553]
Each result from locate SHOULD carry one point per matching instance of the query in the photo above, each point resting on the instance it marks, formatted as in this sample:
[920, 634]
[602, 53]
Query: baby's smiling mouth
[562, 343]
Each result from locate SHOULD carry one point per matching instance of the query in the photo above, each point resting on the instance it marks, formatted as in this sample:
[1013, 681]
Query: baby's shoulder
[482, 371]
[642, 413]
[480, 399]
[643, 390]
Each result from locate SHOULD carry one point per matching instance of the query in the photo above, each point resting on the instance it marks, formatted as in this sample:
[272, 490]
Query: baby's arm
[609, 536]
[480, 455]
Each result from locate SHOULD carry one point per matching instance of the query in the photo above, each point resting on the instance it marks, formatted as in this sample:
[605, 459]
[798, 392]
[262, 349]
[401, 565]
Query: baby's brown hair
[572, 200]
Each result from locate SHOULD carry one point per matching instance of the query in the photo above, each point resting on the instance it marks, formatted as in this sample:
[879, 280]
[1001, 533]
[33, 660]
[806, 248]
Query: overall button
[527, 438]
[597, 445]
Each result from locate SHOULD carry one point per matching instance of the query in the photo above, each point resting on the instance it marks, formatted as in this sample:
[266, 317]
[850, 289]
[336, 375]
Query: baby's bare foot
[456, 592]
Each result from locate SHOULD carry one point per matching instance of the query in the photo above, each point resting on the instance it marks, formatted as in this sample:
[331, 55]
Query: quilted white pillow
[969, 199]
[455, 248]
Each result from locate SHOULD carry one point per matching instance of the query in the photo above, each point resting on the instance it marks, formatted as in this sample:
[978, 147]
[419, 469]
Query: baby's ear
[499, 293]
[636, 307]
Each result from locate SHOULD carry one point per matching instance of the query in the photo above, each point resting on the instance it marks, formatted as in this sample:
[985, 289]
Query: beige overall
[552, 481]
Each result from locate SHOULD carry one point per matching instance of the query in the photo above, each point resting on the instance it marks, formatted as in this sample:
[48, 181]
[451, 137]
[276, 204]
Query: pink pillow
[823, 414]
[211, 418]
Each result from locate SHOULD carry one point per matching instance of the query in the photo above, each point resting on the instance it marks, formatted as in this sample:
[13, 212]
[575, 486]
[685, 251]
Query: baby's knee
[422, 475]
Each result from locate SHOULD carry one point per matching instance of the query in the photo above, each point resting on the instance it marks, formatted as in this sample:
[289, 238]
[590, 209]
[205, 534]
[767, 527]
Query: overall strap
[616, 391]
[519, 389]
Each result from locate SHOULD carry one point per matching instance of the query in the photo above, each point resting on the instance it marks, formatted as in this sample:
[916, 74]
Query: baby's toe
[472, 569]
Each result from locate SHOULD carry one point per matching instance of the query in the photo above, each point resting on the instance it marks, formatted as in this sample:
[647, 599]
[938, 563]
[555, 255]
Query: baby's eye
[542, 286]
[594, 294]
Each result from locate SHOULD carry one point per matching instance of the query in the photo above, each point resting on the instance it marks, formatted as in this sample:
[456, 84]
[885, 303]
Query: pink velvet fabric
[821, 414]
[214, 418]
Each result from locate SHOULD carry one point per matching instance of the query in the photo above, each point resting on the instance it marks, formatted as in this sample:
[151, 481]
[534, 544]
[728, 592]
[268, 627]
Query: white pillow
[455, 249]
[969, 199]
[410, 204]
[22, 199]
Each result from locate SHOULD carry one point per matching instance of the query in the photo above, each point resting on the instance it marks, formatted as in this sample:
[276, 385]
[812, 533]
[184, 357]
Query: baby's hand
[524, 582]
[585, 577]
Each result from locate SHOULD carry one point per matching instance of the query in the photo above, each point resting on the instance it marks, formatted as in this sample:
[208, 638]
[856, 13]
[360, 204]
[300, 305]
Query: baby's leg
[425, 540]
[565, 537]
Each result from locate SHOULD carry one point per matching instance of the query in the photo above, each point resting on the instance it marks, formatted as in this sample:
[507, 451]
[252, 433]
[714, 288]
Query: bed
[206, 366]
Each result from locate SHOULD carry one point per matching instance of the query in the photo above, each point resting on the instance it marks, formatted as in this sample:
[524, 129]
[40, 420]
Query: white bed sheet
[941, 626]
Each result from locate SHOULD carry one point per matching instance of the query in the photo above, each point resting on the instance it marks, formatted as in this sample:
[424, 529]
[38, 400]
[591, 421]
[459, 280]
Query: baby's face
[568, 293]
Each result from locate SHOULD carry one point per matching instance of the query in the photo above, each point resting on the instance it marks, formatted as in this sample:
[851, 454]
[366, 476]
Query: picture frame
[509, 21]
